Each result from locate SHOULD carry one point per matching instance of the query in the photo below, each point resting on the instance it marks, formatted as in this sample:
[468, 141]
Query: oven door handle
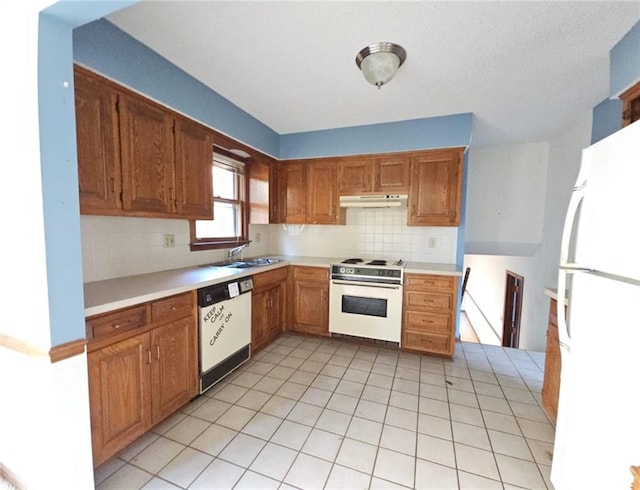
[366, 284]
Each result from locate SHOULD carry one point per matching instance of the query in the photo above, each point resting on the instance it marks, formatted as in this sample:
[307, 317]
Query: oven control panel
[389, 275]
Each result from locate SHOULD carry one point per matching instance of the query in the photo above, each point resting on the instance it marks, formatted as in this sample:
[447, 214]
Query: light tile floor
[310, 413]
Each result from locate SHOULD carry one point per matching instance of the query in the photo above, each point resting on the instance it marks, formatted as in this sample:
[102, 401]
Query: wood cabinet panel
[322, 192]
[99, 175]
[310, 300]
[139, 377]
[193, 162]
[631, 105]
[147, 156]
[119, 394]
[391, 174]
[174, 370]
[429, 313]
[552, 365]
[294, 182]
[269, 307]
[355, 176]
[435, 189]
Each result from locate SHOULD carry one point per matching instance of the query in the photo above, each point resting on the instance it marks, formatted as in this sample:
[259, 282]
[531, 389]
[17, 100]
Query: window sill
[204, 245]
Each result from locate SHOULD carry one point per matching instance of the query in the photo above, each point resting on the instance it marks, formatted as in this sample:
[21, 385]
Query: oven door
[368, 310]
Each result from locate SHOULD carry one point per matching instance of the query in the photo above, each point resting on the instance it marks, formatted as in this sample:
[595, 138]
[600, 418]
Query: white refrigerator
[598, 426]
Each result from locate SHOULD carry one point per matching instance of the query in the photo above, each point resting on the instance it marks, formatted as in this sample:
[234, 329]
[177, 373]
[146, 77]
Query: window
[228, 226]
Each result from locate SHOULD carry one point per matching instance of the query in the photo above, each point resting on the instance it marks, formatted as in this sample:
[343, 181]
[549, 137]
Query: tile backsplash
[116, 246]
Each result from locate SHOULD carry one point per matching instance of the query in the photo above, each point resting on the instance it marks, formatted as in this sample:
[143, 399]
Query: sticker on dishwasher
[218, 317]
[233, 290]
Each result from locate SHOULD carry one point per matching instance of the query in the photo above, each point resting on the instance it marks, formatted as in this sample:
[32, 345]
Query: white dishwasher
[224, 327]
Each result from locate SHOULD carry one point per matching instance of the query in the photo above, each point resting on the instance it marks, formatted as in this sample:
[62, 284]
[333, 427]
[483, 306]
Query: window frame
[212, 243]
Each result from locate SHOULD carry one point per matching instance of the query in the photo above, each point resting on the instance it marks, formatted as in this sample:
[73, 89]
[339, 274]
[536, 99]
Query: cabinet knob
[117, 325]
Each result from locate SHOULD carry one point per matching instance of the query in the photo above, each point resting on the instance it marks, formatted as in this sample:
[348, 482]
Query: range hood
[374, 201]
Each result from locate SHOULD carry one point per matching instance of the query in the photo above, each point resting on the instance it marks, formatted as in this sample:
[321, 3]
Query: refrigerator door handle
[574, 203]
[563, 331]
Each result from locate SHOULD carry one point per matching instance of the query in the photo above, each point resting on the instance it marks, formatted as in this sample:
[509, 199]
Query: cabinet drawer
[427, 322]
[269, 277]
[439, 302]
[429, 342]
[172, 308]
[315, 273]
[116, 322]
[429, 281]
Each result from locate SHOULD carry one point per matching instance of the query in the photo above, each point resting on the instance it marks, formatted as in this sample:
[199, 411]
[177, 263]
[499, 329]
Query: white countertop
[122, 292]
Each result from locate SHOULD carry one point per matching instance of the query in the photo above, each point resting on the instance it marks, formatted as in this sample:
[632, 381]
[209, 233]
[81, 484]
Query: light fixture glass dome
[379, 62]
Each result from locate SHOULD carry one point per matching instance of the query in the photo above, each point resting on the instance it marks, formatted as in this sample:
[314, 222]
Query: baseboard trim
[54, 354]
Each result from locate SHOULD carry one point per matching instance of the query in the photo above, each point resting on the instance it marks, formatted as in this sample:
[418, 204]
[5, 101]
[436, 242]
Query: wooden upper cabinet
[322, 192]
[388, 174]
[435, 191]
[294, 192]
[631, 105]
[146, 136]
[355, 176]
[99, 175]
[193, 167]
[391, 174]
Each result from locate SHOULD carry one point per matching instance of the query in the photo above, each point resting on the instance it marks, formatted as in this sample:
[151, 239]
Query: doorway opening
[512, 310]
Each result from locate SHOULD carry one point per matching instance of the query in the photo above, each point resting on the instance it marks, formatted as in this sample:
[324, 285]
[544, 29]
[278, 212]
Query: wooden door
[99, 175]
[193, 162]
[391, 174]
[294, 182]
[174, 367]
[512, 310]
[119, 395]
[322, 195]
[147, 157]
[355, 176]
[310, 307]
[259, 318]
[435, 188]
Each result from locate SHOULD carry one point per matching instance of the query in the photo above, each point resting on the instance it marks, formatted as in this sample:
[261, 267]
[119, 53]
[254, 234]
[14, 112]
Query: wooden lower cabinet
[309, 300]
[269, 307]
[137, 380]
[429, 313]
[552, 364]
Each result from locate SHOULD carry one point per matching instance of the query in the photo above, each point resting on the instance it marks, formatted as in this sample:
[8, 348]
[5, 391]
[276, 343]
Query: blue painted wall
[607, 119]
[110, 51]
[416, 134]
[58, 160]
[624, 67]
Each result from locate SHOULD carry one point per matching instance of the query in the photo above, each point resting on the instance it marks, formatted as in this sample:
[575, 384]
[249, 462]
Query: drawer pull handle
[149, 356]
[157, 352]
[173, 308]
[117, 325]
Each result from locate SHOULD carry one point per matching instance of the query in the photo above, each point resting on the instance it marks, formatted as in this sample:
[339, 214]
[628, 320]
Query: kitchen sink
[245, 264]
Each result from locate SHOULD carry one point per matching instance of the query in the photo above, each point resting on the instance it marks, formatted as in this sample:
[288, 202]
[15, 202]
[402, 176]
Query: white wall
[505, 212]
[487, 279]
[116, 247]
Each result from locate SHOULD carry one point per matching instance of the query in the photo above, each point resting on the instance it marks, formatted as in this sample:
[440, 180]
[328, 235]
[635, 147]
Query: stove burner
[377, 262]
[352, 261]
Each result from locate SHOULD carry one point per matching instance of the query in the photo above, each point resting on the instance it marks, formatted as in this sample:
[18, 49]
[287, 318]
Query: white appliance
[374, 201]
[598, 426]
[365, 299]
[224, 329]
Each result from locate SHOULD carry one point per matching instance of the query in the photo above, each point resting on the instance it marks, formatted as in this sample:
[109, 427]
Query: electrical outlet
[169, 240]
[432, 242]
[257, 240]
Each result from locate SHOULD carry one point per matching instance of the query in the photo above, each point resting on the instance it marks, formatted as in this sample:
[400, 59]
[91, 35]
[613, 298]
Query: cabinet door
[355, 175]
[294, 181]
[173, 369]
[435, 189]
[193, 162]
[322, 204]
[276, 193]
[99, 176]
[259, 316]
[276, 304]
[147, 157]
[310, 300]
[392, 174]
[119, 395]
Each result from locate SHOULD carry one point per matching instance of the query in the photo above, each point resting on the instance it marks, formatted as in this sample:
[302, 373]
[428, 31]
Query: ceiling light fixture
[380, 61]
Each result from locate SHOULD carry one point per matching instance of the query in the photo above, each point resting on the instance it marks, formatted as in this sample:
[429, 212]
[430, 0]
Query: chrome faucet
[235, 251]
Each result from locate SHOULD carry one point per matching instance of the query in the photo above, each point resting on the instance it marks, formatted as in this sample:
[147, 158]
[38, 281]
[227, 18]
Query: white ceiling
[524, 69]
